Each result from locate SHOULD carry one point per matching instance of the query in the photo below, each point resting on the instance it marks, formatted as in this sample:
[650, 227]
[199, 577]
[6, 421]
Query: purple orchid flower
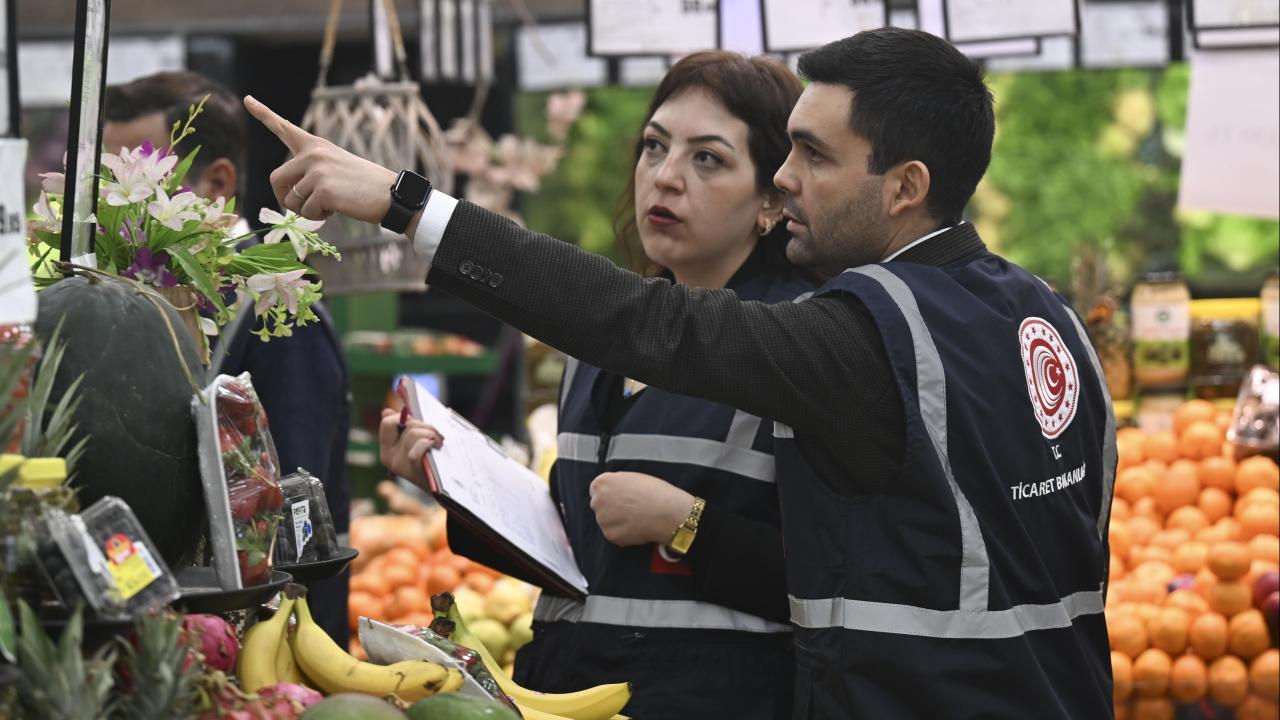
[151, 267]
[146, 148]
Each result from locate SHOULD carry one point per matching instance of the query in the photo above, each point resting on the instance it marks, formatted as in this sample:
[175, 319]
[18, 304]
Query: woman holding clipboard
[669, 502]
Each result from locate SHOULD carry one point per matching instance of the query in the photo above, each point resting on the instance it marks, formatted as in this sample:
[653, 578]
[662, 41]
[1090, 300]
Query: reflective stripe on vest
[733, 455]
[633, 612]
[954, 624]
[972, 620]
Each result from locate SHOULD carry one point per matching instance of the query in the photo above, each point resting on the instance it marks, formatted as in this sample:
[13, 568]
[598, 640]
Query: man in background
[301, 379]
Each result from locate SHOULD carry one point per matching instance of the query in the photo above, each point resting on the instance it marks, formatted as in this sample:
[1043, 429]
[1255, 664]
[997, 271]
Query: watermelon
[136, 407]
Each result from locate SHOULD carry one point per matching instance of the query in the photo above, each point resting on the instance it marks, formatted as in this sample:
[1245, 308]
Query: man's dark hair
[220, 131]
[916, 97]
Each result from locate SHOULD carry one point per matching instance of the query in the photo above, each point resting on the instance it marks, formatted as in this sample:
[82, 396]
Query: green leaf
[230, 207]
[199, 276]
[7, 637]
[180, 172]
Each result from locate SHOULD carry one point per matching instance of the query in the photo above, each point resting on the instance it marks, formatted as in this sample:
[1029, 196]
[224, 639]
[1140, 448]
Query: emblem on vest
[1053, 381]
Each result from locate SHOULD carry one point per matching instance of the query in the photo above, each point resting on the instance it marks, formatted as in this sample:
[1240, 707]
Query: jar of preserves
[1160, 311]
[1223, 345]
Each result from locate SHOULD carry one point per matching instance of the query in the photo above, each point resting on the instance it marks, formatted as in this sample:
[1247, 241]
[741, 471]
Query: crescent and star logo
[1053, 381]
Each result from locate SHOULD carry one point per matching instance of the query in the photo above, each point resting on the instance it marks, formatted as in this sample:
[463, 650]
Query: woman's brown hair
[759, 91]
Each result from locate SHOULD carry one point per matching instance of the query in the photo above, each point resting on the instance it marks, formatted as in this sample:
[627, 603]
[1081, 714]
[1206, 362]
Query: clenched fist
[634, 508]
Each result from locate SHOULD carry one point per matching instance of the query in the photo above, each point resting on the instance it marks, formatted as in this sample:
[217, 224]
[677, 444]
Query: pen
[404, 420]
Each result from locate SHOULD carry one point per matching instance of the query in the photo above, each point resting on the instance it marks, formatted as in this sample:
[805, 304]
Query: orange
[1229, 560]
[363, 604]
[1129, 452]
[1215, 503]
[1208, 635]
[1142, 529]
[1151, 553]
[1258, 495]
[1146, 506]
[1204, 582]
[1122, 676]
[370, 582]
[1190, 557]
[1218, 472]
[1156, 467]
[1256, 568]
[403, 556]
[1134, 483]
[1264, 674]
[1193, 411]
[1161, 446]
[407, 599]
[1201, 439]
[1151, 672]
[1230, 528]
[443, 579]
[1172, 538]
[1257, 471]
[1228, 680]
[1265, 547]
[1147, 590]
[1247, 634]
[1258, 519]
[1256, 708]
[1189, 517]
[1188, 601]
[1128, 635]
[1120, 539]
[1230, 598]
[1155, 571]
[1179, 486]
[1153, 708]
[1119, 509]
[397, 574]
[460, 563]
[1168, 631]
[481, 582]
[1188, 680]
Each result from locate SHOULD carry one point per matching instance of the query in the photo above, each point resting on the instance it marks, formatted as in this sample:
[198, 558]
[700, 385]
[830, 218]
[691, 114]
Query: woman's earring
[768, 228]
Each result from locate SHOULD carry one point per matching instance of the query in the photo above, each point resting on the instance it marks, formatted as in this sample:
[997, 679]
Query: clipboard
[496, 498]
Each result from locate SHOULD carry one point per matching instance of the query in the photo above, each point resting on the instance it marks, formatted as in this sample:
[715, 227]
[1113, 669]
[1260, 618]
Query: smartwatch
[408, 195]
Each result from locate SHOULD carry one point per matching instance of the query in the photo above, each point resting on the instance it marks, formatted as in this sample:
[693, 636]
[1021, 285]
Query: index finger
[291, 135]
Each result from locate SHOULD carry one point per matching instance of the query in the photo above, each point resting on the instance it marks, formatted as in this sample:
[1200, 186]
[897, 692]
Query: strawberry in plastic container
[251, 470]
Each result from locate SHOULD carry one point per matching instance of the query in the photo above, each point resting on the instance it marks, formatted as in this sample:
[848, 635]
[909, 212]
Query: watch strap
[397, 217]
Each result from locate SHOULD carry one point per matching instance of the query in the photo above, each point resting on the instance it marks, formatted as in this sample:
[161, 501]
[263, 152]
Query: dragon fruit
[214, 639]
[284, 698]
[223, 700]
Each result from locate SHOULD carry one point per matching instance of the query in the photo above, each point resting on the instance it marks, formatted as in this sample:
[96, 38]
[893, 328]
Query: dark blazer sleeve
[817, 365]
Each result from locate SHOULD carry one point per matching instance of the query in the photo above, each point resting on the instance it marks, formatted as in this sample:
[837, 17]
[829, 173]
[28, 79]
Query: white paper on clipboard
[472, 471]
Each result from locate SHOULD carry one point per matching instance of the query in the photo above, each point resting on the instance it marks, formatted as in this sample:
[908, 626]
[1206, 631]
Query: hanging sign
[931, 17]
[1056, 53]
[651, 27]
[1124, 34]
[802, 24]
[981, 20]
[554, 56]
[1233, 134]
[455, 40]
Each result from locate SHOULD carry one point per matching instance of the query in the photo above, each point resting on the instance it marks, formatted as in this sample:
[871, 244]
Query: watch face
[411, 189]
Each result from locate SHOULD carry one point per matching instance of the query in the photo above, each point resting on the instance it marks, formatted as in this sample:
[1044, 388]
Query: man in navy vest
[946, 447]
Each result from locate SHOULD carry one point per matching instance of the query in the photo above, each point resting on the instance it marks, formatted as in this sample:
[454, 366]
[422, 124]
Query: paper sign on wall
[931, 18]
[1235, 13]
[1233, 134]
[651, 27]
[740, 29]
[551, 57]
[17, 295]
[803, 24]
[978, 20]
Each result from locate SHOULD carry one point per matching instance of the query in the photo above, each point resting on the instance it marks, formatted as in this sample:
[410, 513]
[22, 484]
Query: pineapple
[56, 680]
[162, 672]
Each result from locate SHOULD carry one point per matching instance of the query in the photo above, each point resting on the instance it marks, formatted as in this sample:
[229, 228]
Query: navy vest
[974, 587]
[712, 451]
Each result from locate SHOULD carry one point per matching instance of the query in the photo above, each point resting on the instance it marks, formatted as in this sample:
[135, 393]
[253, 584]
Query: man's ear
[218, 180]
[907, 187]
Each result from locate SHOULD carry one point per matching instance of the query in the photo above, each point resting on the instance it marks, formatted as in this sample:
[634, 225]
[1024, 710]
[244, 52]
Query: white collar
[917, 242]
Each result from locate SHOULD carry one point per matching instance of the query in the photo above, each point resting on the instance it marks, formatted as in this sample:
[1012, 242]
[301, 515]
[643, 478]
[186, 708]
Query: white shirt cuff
[432, 224]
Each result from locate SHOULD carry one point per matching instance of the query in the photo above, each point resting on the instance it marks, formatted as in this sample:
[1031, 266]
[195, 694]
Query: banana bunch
[265, 656]
[602, 702]
[334, 670]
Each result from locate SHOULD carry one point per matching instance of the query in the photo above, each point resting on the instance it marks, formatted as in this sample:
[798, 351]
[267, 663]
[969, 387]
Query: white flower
[215, 216]
[173, 212]
[208, 326]
[137, 176]
[299, 230]
[54, 182]
[46, 219]
[275, 289]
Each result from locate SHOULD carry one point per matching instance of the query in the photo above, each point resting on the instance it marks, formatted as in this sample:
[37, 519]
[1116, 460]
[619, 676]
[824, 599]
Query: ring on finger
[294, 190]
